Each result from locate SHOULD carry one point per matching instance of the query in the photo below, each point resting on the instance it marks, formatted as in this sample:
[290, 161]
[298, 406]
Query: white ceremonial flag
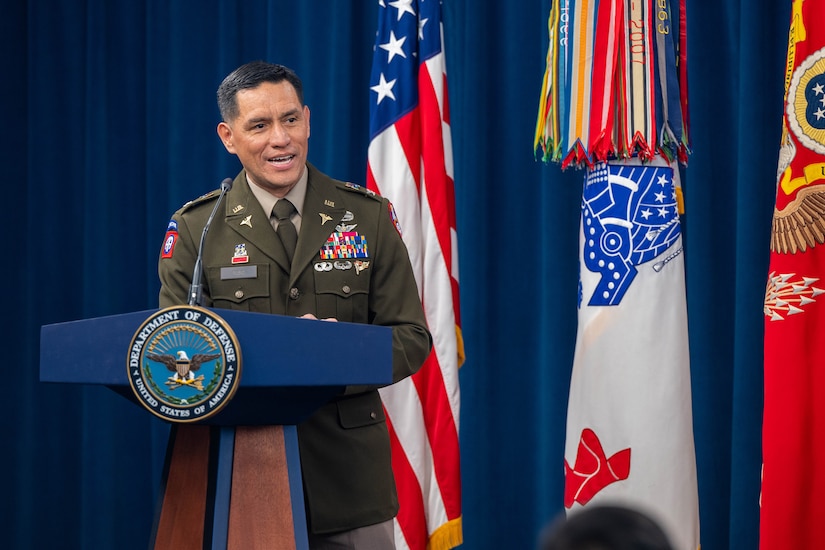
[629, 425]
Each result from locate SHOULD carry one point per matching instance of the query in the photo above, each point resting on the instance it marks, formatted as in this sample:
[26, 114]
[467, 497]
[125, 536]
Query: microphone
[196, 288]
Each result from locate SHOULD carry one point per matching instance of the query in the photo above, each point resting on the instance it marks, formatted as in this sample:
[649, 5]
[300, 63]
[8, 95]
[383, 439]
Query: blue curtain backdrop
[110, 126]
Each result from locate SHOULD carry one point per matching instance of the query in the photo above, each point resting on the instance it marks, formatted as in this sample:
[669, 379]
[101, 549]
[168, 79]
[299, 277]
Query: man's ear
[225, 133]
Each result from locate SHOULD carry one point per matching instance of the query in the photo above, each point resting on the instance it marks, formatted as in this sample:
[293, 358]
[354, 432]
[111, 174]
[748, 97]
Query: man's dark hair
[251, 75]
[605, 528]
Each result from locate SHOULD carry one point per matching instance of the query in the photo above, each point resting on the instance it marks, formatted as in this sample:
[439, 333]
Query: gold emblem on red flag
[800, 224]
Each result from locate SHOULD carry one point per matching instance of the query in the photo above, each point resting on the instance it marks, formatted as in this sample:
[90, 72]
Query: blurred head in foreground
[604, 528]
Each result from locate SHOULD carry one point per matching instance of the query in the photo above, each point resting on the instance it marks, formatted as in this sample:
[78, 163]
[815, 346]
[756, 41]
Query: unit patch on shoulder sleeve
[169, 240]
[394, 218]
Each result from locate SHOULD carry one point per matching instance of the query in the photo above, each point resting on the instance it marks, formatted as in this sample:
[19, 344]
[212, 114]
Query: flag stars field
[403, 6]
[394, 47]
[384, 89]
[421, 24]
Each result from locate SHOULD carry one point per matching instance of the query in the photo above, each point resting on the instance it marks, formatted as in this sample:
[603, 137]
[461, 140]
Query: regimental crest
[630, 217]
[240, 255]
[184, 363]
[787, 294]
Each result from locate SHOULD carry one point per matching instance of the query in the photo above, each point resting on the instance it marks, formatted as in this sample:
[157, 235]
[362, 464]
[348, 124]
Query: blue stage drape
[110, 111]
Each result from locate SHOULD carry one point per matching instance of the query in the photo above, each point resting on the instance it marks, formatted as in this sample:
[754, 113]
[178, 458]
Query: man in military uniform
[349, 264]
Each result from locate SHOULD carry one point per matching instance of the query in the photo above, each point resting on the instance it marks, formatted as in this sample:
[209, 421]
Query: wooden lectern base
[231, 488]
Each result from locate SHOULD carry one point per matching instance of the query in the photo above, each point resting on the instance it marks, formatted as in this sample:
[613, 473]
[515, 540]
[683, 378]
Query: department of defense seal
[184, 363]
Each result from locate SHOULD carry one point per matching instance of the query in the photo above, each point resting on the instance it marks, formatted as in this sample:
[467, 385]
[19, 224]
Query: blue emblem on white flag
[630, 217]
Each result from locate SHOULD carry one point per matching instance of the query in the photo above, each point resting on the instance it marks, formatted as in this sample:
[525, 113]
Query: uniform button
[373, 415]
[346, 289]
[294, 293]
[239, 294]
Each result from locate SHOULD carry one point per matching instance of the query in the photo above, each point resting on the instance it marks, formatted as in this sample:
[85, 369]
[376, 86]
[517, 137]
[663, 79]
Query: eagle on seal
[182, 365]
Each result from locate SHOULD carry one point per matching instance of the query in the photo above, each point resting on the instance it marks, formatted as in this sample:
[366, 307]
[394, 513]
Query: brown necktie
[286, 231]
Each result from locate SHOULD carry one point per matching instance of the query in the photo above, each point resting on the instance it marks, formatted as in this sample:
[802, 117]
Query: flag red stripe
[438, 417]
[371, 179]
[448, 192]
[446, 104]
[433, 160]
[442, 433]
[410, 517]
[409, 133]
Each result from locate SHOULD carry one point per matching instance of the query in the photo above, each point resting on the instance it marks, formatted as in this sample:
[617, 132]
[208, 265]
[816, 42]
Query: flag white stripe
[438, 291]
[396, 182]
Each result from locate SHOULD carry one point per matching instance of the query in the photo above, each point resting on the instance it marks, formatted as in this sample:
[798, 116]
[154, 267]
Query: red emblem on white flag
[593, 471]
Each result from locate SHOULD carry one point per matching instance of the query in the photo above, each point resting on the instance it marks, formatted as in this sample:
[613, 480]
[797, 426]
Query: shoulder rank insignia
[203, 198]
[361, 189]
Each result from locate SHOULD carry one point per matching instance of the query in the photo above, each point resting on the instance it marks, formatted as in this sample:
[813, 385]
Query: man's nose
[278, 136]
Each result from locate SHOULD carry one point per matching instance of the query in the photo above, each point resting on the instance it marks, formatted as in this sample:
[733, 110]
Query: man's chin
[278, 187]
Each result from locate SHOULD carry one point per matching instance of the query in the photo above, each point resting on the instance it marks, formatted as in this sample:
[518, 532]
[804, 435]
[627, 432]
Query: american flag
[410, 162]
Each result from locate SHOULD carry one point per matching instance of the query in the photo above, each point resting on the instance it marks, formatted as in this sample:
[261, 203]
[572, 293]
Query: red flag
[410, 163]
[793, 453]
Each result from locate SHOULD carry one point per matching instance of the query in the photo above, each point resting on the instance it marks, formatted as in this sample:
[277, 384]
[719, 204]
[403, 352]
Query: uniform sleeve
[175, 268]
[394, 301]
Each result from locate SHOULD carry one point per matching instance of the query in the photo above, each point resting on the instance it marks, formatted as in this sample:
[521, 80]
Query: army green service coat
[345, 451]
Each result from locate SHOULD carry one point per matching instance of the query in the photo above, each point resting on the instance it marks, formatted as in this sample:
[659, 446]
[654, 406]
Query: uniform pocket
[250, 293]
[341, 294]
[361, 410]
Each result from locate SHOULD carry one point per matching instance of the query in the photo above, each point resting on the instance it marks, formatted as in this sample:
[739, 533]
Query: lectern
[233, 480]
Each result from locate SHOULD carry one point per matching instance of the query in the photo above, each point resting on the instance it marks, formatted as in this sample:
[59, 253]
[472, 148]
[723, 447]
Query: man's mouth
[283, 159]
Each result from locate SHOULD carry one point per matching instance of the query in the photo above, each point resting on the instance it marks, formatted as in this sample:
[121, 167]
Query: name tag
[239, 272]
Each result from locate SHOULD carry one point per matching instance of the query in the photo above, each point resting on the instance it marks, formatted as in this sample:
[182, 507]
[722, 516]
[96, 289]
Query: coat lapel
[323, 210]
[246, 217]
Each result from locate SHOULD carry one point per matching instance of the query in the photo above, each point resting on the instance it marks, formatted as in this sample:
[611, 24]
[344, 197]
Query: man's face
[270, 135]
